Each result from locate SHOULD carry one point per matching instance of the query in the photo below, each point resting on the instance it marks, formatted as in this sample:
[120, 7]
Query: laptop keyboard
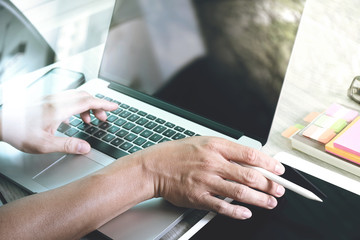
[126, 130]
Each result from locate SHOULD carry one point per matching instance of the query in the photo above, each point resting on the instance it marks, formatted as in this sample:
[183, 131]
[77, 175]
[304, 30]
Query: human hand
[192, 172]
[30, 127]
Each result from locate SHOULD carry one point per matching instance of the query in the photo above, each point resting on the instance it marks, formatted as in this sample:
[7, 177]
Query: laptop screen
[224, 60]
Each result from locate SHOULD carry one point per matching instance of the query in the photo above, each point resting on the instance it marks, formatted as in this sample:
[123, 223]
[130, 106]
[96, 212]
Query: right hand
[192, 172]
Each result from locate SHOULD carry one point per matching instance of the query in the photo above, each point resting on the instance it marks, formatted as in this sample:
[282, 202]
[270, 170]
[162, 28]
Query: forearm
[78, 208]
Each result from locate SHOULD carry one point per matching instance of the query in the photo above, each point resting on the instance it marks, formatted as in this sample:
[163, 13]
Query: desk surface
[325, 59]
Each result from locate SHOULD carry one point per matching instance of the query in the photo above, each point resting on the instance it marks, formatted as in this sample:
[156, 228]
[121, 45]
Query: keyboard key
[189, 133]
[129, 126]
[99, 95]
[137, 129]
[164, 140]
[178, 136]
[117, 111]
[126, 145]
[117, 102]
[104, 125]
[146, 133]
[124, 114]
[120, 122]
[151, 117]
[95, 122]
[169, 125]
[75, 122]
[159, 120]
[155, 137]
[71, 132]
[140, 141]
[124, 106]
[91, 130]
[133, 118]
[122, 133]
[134, 110]
[147, 144]
[159, 129]
[100, 134]
[179, 129]
[113, 129]
[108, 137]
[130, 137]
[169, 133]
[106, 148]
[112, 118]
[63, 127]
[142, 121]
[150, 125]
[134, 149]
[142, 113]
[108, 99]
[83, 126]
[82, 135]
[117, 141]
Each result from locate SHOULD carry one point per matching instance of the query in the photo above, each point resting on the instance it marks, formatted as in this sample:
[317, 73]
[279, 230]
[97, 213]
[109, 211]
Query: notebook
[176, 69]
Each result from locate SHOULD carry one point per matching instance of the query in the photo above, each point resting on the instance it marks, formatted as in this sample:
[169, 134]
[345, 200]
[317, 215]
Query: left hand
[31, 127]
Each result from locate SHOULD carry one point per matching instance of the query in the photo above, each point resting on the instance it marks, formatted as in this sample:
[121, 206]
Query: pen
[286, 183]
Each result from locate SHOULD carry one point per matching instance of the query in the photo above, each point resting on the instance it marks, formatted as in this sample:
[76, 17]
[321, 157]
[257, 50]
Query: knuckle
[251, 156]
[221, 207]
[241, 192]
[68, 145]
[211, 144]
[207, 164]
[251, 177]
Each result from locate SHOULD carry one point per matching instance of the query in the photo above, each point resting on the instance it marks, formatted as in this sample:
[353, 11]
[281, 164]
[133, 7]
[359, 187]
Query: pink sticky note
[350, 140]
[350, 115]
[333, 109]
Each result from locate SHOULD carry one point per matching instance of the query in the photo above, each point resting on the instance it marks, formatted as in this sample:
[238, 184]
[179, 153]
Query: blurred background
[36, 33]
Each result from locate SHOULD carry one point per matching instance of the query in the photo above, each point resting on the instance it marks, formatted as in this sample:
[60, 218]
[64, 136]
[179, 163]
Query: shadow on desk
[295, 217]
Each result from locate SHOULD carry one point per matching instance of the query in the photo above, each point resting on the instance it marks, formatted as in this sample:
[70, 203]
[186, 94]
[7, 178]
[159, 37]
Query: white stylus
[286, 183]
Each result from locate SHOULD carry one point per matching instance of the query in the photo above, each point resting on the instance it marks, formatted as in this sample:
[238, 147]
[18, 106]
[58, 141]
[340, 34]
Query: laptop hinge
[178, 111]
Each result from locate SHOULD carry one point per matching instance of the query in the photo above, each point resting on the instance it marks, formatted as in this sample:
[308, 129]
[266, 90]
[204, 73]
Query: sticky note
[349, 140]
[329, 147]
[325, 121]
[323, 135]
[311, 116]
[290, 131]
[339, 125]
[338, 111]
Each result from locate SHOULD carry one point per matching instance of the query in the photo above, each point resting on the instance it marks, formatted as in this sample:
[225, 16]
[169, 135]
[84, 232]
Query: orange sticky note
[289, 131]
[311, 116]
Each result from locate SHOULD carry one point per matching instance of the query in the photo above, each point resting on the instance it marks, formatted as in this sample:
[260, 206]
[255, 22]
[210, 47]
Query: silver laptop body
[153, 47]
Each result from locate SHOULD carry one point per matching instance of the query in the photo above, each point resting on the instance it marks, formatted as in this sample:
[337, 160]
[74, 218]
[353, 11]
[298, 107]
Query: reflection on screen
[22, 48]
[222, 59]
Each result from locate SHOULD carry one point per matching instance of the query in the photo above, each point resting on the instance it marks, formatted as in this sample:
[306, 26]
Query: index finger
[243, 154]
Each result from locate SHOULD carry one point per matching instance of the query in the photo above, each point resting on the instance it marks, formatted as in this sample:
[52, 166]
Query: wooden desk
[325, 59]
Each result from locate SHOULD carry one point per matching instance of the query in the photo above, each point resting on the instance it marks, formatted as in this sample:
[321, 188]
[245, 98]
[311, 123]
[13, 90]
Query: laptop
[177, 69]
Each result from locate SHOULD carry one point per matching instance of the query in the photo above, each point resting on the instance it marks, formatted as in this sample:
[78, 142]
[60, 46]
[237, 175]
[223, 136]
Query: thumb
[70, 145]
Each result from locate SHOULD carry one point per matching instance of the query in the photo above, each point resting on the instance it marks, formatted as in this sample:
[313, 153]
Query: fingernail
[83, 148]
[246, 214]
[280, 190]
[279, 168]
[272, 202]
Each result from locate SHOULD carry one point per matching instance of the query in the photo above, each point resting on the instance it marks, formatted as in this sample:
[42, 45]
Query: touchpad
[68, 169]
